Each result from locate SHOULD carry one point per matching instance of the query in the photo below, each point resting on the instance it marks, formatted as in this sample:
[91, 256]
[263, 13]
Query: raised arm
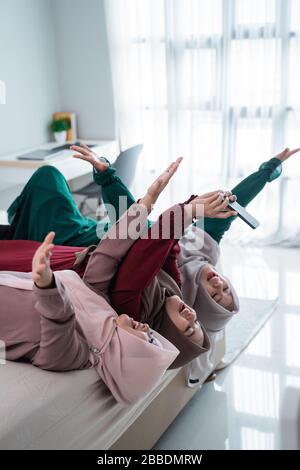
[105, 260]
[248, 189]
[61, 347]
[151, 252]
[105, 176]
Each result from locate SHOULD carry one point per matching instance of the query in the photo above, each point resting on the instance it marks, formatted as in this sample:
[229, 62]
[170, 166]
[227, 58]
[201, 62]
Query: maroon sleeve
[171, 265]
[105, 260]
[16, 255]
[145, 259]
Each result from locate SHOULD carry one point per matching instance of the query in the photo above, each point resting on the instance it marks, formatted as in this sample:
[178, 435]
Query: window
[252, 72]
[200, 17]
[195, 61]
[255, 12]
[295, 16]
[217, 81]
[253, 138]
[294, 73]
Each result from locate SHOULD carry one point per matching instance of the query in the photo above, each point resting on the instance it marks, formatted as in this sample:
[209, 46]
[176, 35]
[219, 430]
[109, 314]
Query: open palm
[86, 154]
[41, 270]
[287, 153]
[161, 182]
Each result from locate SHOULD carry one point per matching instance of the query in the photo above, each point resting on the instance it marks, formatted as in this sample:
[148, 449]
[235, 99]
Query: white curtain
[218, 82]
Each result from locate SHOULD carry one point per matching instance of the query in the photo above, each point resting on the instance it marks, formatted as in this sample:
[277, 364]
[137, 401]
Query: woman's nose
[189, 315]
[219, 288]
[217, 282]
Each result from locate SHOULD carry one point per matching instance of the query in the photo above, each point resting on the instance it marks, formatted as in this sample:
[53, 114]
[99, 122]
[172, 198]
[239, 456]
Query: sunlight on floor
[240, 410]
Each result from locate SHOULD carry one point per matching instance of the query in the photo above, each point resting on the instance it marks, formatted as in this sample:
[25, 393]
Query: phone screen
[244, 215]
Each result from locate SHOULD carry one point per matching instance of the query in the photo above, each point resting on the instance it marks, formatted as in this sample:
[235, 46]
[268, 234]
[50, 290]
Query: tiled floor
[240, 409]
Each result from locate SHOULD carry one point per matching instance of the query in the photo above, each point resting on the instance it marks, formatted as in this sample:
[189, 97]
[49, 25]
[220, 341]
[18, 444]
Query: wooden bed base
[157, 417]
[153, 422]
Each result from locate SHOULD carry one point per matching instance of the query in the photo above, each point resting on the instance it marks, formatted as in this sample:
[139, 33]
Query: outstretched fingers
[292, 152]
[160, 183]
[226, 215]
[41, 271]
[212, 195]
[220, 203]
[45, 250]
[171, 170]
[85, 147]
[80, 155]
[165, 177]
[83, 150]
[49, 238]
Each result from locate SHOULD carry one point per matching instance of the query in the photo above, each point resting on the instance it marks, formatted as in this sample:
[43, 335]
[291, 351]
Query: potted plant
[59, 128]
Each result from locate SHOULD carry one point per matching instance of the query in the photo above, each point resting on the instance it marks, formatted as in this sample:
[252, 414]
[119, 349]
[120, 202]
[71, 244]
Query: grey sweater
[198, 249]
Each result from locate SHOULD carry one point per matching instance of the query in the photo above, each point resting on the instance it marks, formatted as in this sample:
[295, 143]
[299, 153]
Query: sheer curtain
[218, 82]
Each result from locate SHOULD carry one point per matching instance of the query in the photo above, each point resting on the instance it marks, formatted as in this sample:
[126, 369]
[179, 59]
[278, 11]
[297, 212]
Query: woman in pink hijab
[59, 322]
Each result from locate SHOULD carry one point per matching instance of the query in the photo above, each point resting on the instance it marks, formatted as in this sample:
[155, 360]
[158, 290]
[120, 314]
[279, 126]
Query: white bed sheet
[72, 410]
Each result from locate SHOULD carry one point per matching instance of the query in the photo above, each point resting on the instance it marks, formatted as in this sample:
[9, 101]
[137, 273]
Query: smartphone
[244, 215]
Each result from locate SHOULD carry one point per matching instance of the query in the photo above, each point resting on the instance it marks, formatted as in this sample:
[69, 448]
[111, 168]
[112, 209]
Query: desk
[18, 172]
[3, 218]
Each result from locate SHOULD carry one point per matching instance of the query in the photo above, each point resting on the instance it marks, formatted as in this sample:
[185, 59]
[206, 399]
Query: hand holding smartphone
[242, 213]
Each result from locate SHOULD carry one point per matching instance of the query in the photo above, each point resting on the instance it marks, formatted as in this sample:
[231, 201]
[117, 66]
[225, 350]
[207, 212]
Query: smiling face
[217, 287]
[184, 318]
[141, 330]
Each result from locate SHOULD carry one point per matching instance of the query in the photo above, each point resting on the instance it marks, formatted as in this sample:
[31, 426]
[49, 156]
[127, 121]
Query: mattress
[71, 410]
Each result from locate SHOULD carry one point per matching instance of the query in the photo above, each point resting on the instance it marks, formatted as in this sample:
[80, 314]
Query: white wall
[28, 66]
[53, 57]
[84, 66]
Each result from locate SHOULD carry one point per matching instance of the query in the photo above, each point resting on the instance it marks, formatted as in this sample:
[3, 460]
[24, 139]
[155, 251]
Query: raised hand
[86, 154]
[41, 272]
[159, 184]
[215, 204]
[286, 153]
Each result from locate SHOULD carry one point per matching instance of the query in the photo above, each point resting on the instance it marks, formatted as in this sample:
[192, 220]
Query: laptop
[46, 154]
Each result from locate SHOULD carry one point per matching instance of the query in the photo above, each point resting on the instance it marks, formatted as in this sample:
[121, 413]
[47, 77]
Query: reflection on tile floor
[240, 410]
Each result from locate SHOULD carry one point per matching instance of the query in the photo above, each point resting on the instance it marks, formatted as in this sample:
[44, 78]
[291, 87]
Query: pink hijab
[129, 366]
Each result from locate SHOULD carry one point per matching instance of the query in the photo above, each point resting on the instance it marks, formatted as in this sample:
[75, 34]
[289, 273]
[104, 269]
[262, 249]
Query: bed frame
[290, 419]
[157, 417]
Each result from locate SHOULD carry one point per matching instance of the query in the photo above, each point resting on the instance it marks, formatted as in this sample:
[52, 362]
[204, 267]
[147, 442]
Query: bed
[74, 410]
